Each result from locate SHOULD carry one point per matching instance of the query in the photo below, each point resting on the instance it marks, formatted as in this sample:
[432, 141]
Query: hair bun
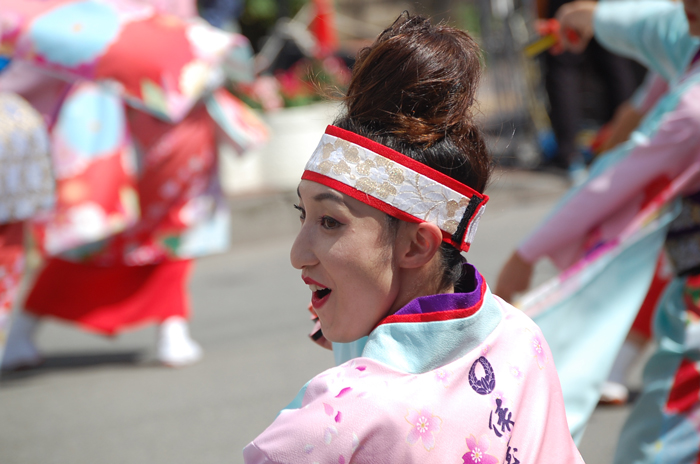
[413, 90]
[416, 82]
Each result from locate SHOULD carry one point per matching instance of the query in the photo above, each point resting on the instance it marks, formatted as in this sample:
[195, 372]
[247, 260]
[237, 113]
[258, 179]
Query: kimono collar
[435, 330]
[445, 306]
[396, 184]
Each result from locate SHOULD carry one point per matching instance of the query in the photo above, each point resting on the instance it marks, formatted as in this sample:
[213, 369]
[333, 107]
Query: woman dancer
[136, 162]
[392, 194]
[663, 35]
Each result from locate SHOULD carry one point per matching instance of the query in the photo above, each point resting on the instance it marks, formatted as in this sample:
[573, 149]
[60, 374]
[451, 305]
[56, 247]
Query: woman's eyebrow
[334, 197]
[330, 196]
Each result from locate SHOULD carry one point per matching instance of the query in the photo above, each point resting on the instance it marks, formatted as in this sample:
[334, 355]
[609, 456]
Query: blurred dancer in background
[563, 82]
[26, 187]
[135, 124]
[627, 118]
[664, 151]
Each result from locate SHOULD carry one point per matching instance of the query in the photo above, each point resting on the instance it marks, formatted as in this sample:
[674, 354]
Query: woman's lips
[310, 281]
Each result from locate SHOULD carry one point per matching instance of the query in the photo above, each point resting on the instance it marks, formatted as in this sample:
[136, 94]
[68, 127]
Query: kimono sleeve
[281, 442]
[649, 93]
[655, 33]
[672, 148]
[254, 455]
[540, 433]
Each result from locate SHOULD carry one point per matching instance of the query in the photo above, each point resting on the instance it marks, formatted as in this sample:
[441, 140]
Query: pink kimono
[450, 378]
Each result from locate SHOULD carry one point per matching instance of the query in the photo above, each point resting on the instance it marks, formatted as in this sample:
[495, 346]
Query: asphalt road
[104, 401]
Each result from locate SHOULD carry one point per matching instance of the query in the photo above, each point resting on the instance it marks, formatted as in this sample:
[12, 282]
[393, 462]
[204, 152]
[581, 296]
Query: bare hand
[576, 21]
[514, 278]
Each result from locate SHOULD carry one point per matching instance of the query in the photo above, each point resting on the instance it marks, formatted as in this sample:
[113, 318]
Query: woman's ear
[418, 244]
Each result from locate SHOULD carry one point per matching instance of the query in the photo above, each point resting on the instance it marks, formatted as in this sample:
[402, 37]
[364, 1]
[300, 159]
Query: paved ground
[102, 401]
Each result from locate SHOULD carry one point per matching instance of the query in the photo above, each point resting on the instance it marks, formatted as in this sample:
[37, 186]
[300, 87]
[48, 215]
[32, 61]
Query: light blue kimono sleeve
[653, 32]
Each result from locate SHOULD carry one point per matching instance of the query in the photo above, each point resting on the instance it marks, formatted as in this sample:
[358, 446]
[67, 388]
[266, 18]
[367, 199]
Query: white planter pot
[294, 135]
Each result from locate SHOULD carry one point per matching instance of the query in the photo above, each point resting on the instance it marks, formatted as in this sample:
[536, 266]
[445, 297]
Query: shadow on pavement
[74, 361]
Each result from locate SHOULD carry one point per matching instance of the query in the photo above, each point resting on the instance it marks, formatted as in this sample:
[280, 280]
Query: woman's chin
[340, 337]
[335, 338]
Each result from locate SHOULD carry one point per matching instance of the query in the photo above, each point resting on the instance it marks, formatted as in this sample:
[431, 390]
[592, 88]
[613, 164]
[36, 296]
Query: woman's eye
[328, 222]
[302, 212]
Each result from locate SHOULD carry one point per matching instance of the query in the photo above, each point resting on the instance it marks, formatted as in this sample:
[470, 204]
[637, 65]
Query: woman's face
[346, 255]
[692, 12]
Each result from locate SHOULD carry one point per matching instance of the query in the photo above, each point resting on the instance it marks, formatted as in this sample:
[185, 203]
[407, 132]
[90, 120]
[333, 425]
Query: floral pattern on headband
[391, 182]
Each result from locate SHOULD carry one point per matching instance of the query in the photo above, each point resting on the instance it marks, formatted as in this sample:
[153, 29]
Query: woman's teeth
[319, 291]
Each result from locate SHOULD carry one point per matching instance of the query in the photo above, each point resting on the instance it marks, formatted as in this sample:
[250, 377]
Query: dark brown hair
[414, 90]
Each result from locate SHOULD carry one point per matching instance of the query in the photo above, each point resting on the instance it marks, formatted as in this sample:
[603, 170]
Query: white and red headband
[396, 184]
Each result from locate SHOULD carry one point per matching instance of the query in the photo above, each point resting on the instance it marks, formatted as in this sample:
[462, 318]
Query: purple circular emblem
[487, 383]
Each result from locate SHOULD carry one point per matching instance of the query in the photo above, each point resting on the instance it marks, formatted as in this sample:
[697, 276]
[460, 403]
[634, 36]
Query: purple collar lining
[449, 301]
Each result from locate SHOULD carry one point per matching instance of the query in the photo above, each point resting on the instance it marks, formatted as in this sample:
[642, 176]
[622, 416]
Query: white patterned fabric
[26, 174]
[397, 185]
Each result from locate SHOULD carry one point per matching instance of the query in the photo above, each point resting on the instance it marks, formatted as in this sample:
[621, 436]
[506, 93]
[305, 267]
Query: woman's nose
[302, 255]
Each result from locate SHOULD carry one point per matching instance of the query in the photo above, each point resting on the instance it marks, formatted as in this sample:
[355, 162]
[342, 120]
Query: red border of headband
[404, 160]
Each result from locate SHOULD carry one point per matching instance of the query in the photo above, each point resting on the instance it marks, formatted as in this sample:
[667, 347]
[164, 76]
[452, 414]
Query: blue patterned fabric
[76, 33]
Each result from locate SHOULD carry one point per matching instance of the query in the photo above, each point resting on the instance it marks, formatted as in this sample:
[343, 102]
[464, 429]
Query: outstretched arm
[666, 155]
[653, 32]
[514, 277]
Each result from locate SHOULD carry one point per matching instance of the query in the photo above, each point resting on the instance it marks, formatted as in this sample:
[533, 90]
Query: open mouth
[319, 295]
[322, 293]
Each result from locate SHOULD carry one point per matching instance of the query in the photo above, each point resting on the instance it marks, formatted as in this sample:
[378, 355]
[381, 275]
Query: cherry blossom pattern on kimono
[469, 410]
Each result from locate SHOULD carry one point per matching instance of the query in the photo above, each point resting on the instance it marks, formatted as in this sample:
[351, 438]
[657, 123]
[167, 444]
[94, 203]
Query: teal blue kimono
[665, 423]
